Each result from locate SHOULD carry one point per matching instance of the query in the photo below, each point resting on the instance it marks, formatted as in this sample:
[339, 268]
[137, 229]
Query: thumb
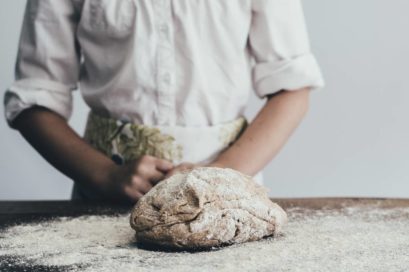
[163, 165]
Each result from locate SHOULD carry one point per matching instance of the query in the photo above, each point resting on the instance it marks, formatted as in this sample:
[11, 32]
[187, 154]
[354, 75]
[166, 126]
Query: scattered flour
[351, 239]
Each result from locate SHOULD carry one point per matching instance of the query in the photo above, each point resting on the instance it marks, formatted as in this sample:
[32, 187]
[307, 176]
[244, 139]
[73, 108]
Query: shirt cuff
[26, 93]
[293, 74]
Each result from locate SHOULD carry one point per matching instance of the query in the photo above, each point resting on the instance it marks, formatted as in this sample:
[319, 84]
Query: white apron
[123, 141]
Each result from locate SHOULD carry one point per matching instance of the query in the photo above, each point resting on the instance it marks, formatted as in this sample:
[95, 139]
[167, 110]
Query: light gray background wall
[353, 142]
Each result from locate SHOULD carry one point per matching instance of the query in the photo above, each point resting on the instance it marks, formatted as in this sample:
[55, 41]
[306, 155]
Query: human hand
[187, 166]
[129, 182]
[182, 167]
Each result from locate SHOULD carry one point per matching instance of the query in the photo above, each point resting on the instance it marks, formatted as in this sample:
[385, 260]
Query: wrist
[104, 174]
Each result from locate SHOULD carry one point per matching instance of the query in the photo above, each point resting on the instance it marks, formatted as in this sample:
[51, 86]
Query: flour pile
[206, 207]
[351, 239]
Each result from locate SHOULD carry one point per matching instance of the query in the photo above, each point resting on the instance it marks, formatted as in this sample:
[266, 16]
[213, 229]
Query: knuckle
[141, 168]
[163, 162]
[146, 158]
[140, 161]
[135, 179]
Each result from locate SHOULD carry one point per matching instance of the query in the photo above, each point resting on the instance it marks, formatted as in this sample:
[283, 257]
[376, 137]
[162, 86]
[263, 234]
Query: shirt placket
[164, 61]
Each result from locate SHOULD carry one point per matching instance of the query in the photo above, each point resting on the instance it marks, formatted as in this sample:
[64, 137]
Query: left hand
[187, 166]
[182, 167]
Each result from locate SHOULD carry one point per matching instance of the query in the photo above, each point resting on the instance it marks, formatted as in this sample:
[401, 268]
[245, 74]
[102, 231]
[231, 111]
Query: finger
[170, 173]
[185, 167]
[133, 193]
[175, 170]
[144, 167]
[142, 184]
[163, 165]
[156, 176]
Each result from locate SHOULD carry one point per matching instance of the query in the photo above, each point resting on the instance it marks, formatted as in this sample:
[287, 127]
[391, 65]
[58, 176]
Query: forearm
[267, 134]
[60, 145]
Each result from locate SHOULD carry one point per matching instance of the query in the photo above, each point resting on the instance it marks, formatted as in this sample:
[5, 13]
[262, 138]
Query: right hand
[129, 182]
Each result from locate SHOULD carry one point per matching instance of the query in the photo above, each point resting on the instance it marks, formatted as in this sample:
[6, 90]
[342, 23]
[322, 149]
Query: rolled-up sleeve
[48, 60]
[280, 45]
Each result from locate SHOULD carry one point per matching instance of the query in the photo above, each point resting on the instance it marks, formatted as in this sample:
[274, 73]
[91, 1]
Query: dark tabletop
[14, 212]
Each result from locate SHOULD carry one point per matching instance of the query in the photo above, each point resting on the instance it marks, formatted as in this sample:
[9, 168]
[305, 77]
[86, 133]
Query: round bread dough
[206, 207]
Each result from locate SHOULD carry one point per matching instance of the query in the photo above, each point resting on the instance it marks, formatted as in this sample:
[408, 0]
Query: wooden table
[12, 212]
[16, 212]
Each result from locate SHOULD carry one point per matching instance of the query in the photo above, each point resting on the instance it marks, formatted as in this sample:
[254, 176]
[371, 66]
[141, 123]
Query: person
[166, 82]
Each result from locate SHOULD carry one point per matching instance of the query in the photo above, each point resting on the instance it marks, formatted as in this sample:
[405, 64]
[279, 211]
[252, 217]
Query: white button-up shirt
[160, 62]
